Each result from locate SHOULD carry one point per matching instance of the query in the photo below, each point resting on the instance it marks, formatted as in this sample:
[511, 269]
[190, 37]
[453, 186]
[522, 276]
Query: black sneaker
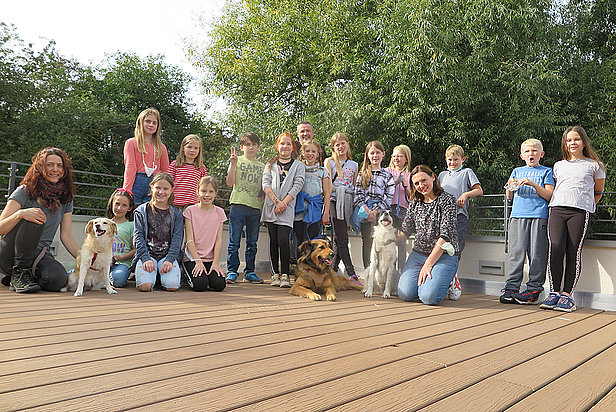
[507, 296]
[22, 281]
[528, 297]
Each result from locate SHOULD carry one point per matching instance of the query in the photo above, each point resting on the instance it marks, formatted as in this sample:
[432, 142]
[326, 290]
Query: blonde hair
[335, 138]
[532, 142]
[588, 151]
[157, 178]
[366, 169]
[181, 160]
[208, 180]
[453, 150]
[140, 135]
[406, 151]
[318, 147]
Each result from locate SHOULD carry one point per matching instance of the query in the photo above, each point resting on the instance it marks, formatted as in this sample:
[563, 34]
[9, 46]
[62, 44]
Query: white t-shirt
[205, 229]
[575, 183]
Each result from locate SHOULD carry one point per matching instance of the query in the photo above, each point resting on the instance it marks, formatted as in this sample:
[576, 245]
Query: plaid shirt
[381, 189]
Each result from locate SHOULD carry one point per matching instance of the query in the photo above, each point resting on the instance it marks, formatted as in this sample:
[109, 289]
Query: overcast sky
[87, 30]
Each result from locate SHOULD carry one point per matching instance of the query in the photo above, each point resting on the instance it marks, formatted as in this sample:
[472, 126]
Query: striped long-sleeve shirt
[186, 179]
[381, 189]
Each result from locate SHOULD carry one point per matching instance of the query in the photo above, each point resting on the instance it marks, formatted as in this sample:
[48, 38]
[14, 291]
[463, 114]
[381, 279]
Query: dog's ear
[305, 248]
[114, 227]
[90, 227]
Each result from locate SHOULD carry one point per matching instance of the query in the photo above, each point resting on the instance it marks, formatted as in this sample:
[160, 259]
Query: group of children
[297, 192]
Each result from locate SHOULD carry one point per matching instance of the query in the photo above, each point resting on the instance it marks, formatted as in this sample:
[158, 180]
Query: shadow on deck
[257, 348]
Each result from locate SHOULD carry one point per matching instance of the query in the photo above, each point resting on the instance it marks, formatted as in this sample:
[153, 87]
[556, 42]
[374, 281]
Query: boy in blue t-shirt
[531, 188]
[463, 184]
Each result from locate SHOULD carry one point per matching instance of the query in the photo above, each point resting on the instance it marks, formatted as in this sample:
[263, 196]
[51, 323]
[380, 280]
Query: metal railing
[489, 214]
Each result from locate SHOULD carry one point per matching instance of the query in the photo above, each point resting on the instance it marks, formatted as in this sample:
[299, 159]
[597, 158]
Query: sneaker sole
[510, 301]
[564, 309]
[25, 290]
[523, 302]
[544, 306]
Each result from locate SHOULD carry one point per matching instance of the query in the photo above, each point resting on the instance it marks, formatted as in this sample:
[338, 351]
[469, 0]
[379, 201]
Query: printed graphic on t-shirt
[247, 176]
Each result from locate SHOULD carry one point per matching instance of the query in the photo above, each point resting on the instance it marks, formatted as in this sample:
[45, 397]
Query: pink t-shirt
[400, 197]
[205, 229]
[133, 161]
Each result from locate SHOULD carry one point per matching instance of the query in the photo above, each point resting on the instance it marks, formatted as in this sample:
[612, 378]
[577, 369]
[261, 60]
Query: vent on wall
[492, 267]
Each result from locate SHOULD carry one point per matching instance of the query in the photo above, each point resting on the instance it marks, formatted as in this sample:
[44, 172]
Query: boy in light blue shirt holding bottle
[531, 188]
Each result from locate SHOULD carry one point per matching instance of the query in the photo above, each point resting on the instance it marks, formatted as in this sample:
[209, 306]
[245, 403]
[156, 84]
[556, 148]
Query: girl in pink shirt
[187, 169]
[203, 235]
[144, 156]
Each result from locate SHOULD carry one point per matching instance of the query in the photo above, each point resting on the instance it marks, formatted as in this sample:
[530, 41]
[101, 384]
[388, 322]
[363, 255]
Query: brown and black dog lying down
[314, 273]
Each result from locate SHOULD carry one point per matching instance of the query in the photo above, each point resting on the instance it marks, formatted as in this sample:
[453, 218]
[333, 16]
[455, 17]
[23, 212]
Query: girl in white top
[580, 179]
[203, 232]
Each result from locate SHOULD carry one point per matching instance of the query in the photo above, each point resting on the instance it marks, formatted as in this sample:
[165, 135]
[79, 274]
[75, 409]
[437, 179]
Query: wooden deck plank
[515, 384]
[607, 403]
[584, 385]
[231, 390]
[377, 340]
[469, 364]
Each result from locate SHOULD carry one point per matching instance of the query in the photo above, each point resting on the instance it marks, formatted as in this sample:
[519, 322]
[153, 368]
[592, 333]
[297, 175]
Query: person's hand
[527, 181]
[216, 269]
[233, 157]
[426, 270]
[462, 200]
[372, 215]
[149, 266]
[166, 266]
[280, 207]
[400, 236]
[198, 269]
[325, 218]
[34, 215]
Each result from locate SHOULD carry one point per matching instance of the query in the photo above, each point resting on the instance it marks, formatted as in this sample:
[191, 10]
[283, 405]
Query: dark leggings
[567, 229]
[279, 246]
[214, 281]
[305, 232]
[366, 242]
[341, 242]
[19, 248]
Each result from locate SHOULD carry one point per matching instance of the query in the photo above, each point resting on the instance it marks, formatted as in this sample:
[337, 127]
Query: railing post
[12, 178]
[506, 225]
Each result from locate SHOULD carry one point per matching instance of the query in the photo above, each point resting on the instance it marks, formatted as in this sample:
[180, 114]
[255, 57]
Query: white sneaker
[275, 280]
[455, 289]
[284, 281]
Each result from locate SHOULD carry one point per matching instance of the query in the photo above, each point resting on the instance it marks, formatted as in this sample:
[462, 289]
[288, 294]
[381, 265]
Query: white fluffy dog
[94, 259]
[383, 274]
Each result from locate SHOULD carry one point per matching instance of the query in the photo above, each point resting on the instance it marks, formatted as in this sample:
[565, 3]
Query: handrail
[489, 213]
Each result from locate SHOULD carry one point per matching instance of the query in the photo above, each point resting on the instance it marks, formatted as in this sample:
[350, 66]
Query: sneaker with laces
[23, 281]
[455, 289]
[231, 277]
[355, 280]
[507, 296]
[275, 280]
[551, 301]
[528, 297]
[284, 281]
[252, 278]
[565, 304]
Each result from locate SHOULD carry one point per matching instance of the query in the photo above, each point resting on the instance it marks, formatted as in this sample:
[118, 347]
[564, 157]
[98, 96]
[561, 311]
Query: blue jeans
[119, 274]
[239, 217]
[462, 228]
[169, 280]
[141, 188]
[434, 289]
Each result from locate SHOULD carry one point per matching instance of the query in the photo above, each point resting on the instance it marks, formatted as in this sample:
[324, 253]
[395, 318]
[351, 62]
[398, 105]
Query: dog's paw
[78, 293]
[386, 295]
[111, 291]
[64, 289]
[314, 296]
[331, 298]
[367, 294]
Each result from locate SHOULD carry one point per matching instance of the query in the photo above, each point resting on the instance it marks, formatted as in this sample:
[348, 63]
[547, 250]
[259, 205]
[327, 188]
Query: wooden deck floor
[257, 348]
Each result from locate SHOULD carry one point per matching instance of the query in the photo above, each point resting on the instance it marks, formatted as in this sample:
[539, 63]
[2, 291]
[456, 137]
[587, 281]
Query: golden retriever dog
[383, 274]
[314, 273]
[94, 259]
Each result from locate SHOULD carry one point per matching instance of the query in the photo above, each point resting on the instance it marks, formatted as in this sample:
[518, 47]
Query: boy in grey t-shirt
[463, 184]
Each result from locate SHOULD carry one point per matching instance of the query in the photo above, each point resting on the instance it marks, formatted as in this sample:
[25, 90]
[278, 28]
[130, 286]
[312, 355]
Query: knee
[217, 283]
[430, 298]
[144, 287]
[199, 283]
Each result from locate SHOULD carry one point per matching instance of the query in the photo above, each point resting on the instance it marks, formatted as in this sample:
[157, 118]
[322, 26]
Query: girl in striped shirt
[187, 169]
